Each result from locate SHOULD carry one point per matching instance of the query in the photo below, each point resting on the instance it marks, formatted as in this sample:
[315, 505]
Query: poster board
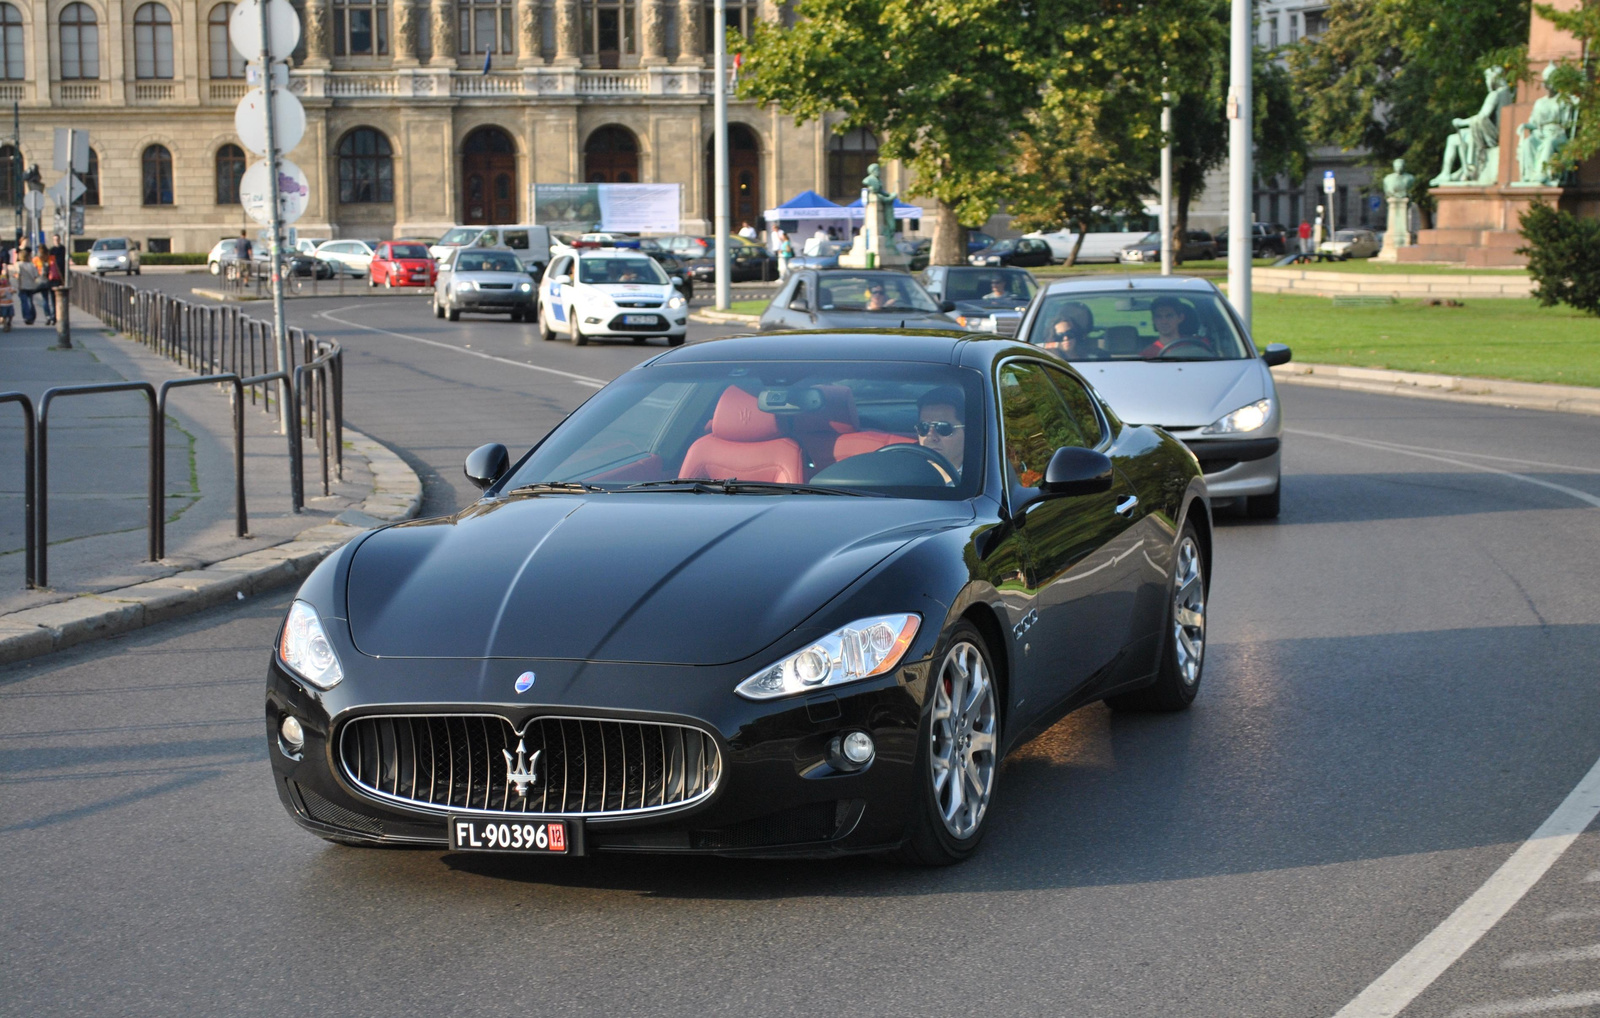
[619, 208]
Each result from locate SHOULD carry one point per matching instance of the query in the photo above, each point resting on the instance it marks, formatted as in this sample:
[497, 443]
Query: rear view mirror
[1077, 471]
[1276, 353]
[486, 464]
[947, 305]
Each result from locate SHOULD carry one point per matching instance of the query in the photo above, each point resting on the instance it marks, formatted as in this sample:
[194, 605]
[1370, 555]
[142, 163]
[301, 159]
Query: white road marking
[1582, 496]
[1593, 877]
[1533, 959]
[585, 380]
[1573, 914]
[1531, 1005]
[1391, 992]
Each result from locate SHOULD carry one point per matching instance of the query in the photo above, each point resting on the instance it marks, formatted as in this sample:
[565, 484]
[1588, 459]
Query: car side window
[517, 240]
[1080, 405]
[1036, 422]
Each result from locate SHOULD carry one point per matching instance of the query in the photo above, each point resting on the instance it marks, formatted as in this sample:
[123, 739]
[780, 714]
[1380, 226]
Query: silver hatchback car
[490, 280]
[114, 254]
[1171, 352]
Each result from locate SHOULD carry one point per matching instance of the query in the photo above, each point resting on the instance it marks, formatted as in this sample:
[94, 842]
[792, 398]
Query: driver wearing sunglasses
[877, 297]
[941, 424]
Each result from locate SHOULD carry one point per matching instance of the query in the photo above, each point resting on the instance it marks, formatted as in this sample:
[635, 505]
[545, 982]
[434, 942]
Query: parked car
[827, 256]
[114, 254]
[309, 245]
[1027, 251]
[919, 250]
[748, 259]
[537, 674]
[228, 249]
[1096, 247]
[1198, 245]
[986, 299]
[1347, 244]
[401, 263]
[530, 242]
[855, 299]
[1170, 351]
[348, 257]
[484, 280]
[977, 240]
[1267, 240]
[294, 264]
[673, 267]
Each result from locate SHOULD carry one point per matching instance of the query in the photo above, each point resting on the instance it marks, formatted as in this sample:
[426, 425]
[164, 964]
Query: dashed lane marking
[1530, 1005]
[584, 380]
[1534, 959]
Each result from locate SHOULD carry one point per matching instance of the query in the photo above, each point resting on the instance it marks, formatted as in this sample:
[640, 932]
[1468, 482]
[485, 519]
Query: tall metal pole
[1166, 182]
[1240, 170]
[720, 153]
[16, 162]
[289, 418]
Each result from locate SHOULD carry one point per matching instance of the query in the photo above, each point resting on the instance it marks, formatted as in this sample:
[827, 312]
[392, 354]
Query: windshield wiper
[554, 488]
[733, 486]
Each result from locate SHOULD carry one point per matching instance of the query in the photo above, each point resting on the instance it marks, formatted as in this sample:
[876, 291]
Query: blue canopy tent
[807, 205]
[902, 210]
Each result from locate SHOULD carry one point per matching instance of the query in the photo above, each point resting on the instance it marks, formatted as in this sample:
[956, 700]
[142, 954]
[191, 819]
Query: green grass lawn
[1375, 267]
[1489, 338]
[747, 307]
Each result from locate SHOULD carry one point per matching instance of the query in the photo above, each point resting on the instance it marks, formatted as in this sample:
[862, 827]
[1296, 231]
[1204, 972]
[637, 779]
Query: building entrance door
[488, 178]
[611, 156]
[744, 178]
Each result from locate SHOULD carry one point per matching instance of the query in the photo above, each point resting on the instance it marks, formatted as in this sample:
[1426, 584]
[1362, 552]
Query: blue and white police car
[610, 292]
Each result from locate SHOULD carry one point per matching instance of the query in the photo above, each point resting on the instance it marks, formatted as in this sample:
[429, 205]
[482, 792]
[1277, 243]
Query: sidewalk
[100, 579]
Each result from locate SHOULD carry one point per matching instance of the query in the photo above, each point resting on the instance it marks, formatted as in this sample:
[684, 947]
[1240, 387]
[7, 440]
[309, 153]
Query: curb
[711, 316]
[396, 495]
[1571, 399]
[222, 296]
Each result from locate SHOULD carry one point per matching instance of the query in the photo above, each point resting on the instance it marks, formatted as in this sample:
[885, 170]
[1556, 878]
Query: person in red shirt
[1173, 320]
[1305, 237]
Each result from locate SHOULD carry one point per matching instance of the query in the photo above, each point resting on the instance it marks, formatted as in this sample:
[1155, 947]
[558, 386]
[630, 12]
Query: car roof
[610, 252]
[1129, 281]
[867, 345]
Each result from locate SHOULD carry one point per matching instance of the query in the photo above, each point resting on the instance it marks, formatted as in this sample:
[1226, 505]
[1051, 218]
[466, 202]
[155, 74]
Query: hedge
[154, 258]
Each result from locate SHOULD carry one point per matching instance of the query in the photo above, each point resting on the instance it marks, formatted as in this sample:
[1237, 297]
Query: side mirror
[798, 304]
[1076, 471]
[1277, 353]
[947, 305]
[677, 281]
[562, 278]
[487, 464]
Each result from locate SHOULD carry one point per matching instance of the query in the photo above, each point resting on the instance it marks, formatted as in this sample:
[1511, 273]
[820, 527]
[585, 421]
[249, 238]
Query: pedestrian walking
[27, 281]
[785, 252]
[1305, 237]
[747, 231]
[56, 268]
[45, 288]
[7, 298]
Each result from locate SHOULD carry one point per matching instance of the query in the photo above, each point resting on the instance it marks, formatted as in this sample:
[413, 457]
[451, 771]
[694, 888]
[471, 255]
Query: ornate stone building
[421, 113]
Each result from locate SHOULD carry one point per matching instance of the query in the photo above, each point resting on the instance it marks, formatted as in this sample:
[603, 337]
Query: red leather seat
[858, 442]
[818, 430]
[744, 443]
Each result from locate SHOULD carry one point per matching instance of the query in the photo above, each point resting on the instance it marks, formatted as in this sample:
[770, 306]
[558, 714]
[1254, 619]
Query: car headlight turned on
[305, 650]
[864, 648]
[1246, 418]
[526, 287]
[676, 301]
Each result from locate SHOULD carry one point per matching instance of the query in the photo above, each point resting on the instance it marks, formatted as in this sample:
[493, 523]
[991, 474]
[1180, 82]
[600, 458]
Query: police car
[610, 292]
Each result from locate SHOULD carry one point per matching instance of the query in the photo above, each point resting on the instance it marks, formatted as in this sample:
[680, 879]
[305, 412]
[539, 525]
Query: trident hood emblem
[520, 773]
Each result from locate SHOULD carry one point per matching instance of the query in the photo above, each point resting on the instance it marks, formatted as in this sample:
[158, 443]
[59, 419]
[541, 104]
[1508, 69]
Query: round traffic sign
[255, 192]
[250, 120]
[244, 28]
[33, 201]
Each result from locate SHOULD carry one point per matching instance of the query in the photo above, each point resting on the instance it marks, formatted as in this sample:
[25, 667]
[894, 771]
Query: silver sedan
[1171, 352]
[488, 280]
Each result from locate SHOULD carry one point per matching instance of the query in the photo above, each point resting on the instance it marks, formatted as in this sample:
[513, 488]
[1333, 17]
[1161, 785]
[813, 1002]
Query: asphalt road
[1399, 690]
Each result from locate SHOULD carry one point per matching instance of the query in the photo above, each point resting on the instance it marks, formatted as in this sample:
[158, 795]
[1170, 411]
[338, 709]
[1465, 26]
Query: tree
[942, 83]
[1563, 257]
[1388, 75]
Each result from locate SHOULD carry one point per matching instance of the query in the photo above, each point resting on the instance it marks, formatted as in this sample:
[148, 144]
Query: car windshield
[877, 292]
[832, 425]
[1009, 285]
[1149, 238]
[620, 270]
[110, 244]
[488, 261]
[1002, 247]
[460, 236]
[1123, 326]
[407, 251]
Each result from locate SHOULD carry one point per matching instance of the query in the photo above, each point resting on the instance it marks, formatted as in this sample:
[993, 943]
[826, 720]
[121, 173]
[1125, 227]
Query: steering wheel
[1189, 341]
[936, 459]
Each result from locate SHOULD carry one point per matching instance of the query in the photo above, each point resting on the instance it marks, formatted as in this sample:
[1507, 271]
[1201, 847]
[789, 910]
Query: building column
[654, 16]
[691, 31]
[530, 34]
[444, 33]
[568, 42]
[318, 49]
[407, 32]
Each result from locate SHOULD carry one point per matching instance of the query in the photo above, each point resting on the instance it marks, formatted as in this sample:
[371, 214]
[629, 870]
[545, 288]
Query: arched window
[366, 169]
[152, 42]
[849, 155]
[91, 181]
[11, 44]
[10, 176]
[611, 156]
[80, 43]
[230, 167]
[485, 26]
[360, 28]
[157, 175]
[226, 62]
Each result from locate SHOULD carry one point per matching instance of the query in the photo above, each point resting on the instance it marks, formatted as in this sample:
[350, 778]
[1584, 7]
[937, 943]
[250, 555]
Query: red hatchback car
[401, 263]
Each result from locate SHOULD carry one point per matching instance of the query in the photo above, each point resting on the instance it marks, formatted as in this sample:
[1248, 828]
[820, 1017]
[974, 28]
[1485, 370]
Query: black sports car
[769, 595]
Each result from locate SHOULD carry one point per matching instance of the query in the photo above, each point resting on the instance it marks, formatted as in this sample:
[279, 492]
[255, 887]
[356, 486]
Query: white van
[531, 243]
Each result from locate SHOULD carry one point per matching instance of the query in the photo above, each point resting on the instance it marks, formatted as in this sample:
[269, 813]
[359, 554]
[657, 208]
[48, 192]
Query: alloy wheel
[1189, 613]
[962, 752]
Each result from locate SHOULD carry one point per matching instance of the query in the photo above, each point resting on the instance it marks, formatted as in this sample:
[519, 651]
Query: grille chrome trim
[469, 745]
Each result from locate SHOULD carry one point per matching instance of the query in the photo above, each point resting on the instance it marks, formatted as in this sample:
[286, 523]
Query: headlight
[864, 648]
[305, 650]
[466, 284]
[676, 301]
[526, 287]
[1246, 418]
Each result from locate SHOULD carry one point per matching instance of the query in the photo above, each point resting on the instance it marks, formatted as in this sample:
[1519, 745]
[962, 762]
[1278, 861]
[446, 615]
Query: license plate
[638, 319]
[515, 834]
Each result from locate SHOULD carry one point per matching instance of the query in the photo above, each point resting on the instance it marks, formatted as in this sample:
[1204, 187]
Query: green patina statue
[872, 188]
[1471, 153]
[1547, 130]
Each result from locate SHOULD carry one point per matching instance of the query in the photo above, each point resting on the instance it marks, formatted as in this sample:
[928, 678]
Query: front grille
[638, 303]
[586, 766]
[495, 286]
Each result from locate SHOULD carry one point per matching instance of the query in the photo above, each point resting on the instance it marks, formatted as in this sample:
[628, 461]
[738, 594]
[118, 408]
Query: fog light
[857, 748]
[294, 736]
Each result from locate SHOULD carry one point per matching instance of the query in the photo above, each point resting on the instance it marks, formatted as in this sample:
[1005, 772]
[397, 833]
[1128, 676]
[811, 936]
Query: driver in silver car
[1174, 322]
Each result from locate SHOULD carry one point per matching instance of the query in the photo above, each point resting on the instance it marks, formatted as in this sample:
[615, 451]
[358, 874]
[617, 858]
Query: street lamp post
[1166, 181]
[720, 152]
[1240, 171]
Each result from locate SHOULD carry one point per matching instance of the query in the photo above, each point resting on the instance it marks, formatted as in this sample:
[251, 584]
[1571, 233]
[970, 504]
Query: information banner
[619, 208]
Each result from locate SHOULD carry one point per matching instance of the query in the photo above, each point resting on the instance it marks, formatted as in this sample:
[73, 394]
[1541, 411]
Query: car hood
[989, 307]
[668, 578]
[1188, 394]
[494, 277]
[624, 291]
[906, 319]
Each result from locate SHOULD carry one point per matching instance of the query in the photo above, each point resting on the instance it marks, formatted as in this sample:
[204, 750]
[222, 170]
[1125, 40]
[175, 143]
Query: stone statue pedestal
[872, 249]
[1397, 233]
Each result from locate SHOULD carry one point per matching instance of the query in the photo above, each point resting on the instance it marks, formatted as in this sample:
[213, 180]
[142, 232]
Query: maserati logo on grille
[520, 773]
[525, 682]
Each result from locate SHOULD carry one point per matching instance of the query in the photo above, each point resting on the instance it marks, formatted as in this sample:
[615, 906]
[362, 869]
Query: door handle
[1127, 505]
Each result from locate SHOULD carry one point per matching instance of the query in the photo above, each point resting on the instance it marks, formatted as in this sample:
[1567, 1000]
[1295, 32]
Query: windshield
[1009, 285]
[460, 236]
[488, 261]
[407, 251]
[620, 270]
[877, 292]
[836, 425]
[117, 244]
[1119, 326]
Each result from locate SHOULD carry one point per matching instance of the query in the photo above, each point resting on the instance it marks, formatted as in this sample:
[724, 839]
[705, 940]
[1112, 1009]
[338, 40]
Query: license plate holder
[515, 833]
[639, 319]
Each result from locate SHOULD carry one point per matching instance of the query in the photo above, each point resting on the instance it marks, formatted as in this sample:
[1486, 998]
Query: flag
[738, 62]
[487, 56]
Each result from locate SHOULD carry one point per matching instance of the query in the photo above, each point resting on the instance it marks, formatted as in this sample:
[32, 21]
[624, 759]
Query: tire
[675, 340]
[1184, 644]
[1264, 507]
[388, 282]
[545, 332]
[574, 333]
[216, 269]
[438, 311]
[947, 827]
[453, 314]
[640, 340]
[516, 316]
[372, 283]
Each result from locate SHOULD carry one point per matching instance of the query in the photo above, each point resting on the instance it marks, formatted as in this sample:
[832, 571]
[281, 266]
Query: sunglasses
[944, 429]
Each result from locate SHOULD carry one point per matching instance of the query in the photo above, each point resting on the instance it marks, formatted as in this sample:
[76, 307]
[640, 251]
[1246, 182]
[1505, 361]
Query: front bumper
[1238, 467]
[609, 322]
[778, 794]
[491, 300]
